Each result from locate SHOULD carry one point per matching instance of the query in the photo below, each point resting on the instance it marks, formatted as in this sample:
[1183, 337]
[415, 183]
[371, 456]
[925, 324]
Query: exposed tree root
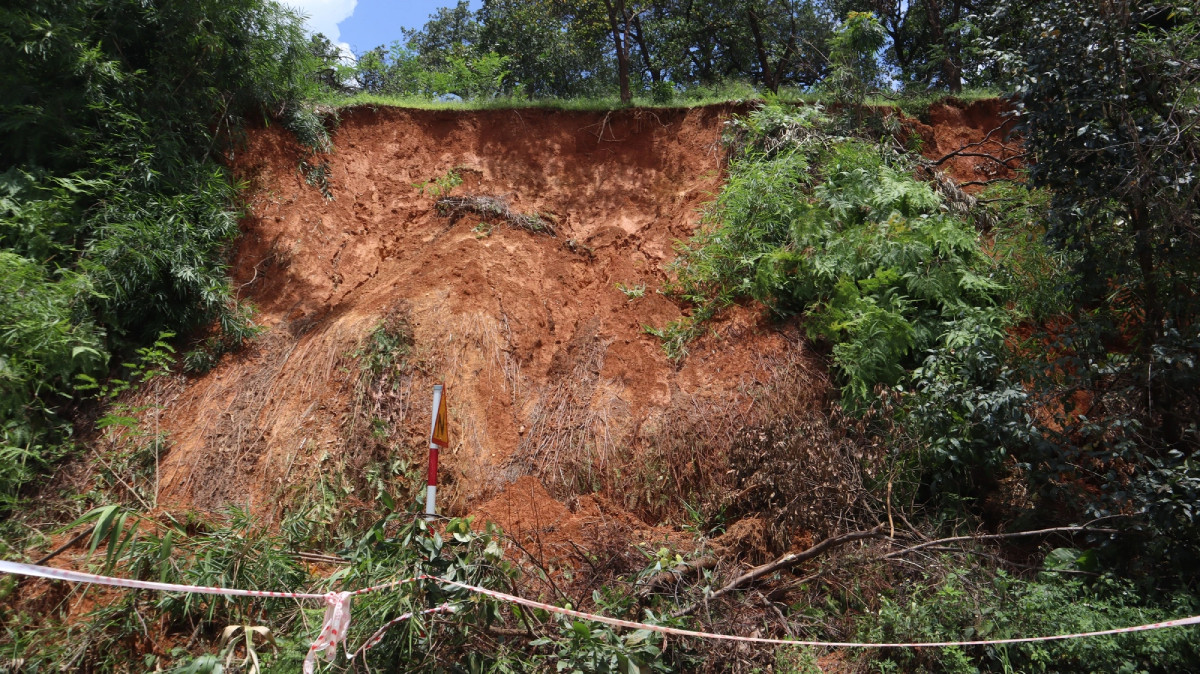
[493, 207]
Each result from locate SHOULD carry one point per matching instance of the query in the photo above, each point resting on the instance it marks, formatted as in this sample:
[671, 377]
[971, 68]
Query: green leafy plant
[853, 53]
[838, 229]
[632, 292]
[965, 604]
[440, 186]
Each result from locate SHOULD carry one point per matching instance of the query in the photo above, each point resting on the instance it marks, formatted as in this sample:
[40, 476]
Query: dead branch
[968, 146]
[771, 606]
[65, 546]
[984, 155]
[983, 183]
[510, 632]
[1009, 562]
[678, 572]
[996, 537]
[782, 564]
[318, 558]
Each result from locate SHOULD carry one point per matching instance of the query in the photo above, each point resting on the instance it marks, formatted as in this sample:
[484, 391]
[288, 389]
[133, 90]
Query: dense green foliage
[838, 229]
[1111, 103]
[657, 50]
[114, 207]
[966, 604]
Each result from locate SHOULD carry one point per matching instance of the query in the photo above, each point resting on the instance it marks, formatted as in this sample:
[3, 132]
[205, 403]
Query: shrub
[968, 605]
[839, 230]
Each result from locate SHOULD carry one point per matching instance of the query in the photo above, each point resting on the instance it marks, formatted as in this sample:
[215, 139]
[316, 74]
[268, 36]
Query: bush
[115, 213]
[839, 230]
[967, 605]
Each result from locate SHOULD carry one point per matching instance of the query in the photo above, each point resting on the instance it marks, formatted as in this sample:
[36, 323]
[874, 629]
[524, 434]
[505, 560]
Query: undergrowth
[961, 603]
[126, 629]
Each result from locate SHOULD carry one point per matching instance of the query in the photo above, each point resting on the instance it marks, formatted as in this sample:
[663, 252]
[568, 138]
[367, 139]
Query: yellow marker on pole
[439, 437]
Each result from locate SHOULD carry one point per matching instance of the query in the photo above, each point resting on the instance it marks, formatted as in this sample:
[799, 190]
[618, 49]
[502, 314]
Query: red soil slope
[547, 365]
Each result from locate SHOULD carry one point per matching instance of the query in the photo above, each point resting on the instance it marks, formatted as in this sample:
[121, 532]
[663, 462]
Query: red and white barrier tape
[334, 628]
[337, 614]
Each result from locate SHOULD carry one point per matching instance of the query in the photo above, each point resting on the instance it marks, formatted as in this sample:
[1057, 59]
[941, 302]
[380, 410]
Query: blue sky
[360, 25]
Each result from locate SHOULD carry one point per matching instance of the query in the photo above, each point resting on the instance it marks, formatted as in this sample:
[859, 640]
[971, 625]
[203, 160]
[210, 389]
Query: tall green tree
[554, 49]
[1111, 104]
[932, 43]
[449, 31]
[1109, 95]
[443, 57]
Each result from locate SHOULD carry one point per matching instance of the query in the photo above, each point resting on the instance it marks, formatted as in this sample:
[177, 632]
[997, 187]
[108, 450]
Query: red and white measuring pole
[439, 437]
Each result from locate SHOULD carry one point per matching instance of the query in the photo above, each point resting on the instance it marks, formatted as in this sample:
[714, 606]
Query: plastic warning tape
[617, 622]
[337, 614]
[81, 577]
[334, 627]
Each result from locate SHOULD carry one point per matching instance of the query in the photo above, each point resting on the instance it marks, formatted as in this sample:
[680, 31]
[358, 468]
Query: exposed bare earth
[555, 389]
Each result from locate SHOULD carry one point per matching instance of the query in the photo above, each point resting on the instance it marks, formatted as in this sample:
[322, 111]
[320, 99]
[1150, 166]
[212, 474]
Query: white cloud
[324, 17]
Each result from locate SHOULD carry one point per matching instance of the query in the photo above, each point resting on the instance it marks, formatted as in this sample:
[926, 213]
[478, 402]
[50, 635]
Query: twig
[121, 480]
[542, 567]
[970, 145]
[317, 557]
[65, 546]
[510, 632]
[997, 537]
[983, 155]
[981, 183]
[891, 523]
[781, 564]
[998, 558]
[524, 615]
[767, 603]
[652, 584]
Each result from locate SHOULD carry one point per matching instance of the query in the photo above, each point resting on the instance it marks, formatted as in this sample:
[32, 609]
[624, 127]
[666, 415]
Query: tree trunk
[789, 52]
[1152, 322]
[952, 66]
[764, 63]
[622, 46]
[951, 76]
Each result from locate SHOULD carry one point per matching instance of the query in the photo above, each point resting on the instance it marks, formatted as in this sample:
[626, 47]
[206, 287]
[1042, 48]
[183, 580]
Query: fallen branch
[510, 632]
[672, 575]
[997, 537]
[782, 564]
[65, 546]
[982, 183]
[967, 146]
[1009, 562]
[984, 155]
[319, 558]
